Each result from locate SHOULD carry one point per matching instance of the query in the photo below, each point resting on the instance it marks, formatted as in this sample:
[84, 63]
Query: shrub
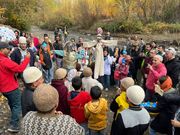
[131, 26]
[18, 22]
[161, 27]
[56, 21]
[108, 26]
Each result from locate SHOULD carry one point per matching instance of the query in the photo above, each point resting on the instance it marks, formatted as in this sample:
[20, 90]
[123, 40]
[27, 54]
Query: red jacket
[8, 68]
[77, 106]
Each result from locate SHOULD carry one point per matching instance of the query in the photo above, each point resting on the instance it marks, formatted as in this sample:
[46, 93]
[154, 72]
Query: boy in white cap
[46, 121]
[88, 82]
[120, 102]
[134, 120]
[58, 83]
[32, 77]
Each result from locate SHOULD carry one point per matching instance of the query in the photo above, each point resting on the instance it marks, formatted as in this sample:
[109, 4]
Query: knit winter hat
[22, 40]
[127, 82]
[135, 94]
[31, 74]
[45, 98]
[60, 73]
[87, 72]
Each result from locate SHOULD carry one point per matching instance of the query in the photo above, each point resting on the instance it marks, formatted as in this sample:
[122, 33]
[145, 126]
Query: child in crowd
[122, 69]
[107, 69]
[78, 68]
[58, 83]
[88, 82]
[68, 81]
[133, 120]
[120, 102]
[77, 99]
[96, 112]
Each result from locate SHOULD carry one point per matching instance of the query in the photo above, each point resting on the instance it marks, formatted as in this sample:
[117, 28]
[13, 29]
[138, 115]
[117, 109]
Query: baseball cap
[172, 50]
[5, 45]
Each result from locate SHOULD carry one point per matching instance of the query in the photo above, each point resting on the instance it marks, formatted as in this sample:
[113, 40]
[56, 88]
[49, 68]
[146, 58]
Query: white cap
[135, 94]
[172, 50]
[31, 74]
[22, 40]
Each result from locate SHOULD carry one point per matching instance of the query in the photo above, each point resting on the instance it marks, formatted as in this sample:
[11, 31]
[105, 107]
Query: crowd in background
[62, 93]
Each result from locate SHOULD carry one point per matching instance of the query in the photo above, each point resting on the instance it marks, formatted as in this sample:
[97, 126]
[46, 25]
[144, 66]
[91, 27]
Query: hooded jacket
[96, 112]
[63, 93]
[77, 105]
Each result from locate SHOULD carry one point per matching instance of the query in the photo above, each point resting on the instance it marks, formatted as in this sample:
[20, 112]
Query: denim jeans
[48, 74]
[95, 132]
[106, 81]
[85, 126]
[14, 101]
[152, 131]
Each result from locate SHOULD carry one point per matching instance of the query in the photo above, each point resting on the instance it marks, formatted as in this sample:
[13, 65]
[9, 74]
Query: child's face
[105, 53]
[45, 49]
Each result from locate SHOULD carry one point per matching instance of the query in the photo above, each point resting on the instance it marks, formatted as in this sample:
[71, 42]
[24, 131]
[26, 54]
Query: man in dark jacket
[166, 111]
[33, 78]
[172, 65]
[18, 54]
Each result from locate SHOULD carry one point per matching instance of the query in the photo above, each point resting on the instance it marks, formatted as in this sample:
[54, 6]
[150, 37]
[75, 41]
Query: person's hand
[175, 123]
[28, 55]
[58, 112]
[118, 92]
[158, 90]
[149, 66]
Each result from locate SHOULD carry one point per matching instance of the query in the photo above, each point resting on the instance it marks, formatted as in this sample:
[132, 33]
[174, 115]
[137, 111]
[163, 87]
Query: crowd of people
[63, 84]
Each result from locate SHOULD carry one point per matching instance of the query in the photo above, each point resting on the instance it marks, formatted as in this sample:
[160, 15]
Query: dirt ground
[4, 108]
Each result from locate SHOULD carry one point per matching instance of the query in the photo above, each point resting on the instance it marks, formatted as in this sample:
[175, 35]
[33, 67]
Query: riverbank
[165, 38]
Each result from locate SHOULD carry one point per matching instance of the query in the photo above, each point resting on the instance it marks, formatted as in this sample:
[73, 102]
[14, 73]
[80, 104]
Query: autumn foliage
[121, 15]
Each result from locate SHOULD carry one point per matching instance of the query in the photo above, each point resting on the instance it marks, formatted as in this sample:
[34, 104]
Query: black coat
[173, 70]
[166, 110]
[16, 56]
[174, 99]
[27, 101]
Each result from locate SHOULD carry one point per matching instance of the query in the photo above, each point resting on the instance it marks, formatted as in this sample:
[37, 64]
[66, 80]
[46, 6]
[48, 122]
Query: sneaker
[13, 129]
